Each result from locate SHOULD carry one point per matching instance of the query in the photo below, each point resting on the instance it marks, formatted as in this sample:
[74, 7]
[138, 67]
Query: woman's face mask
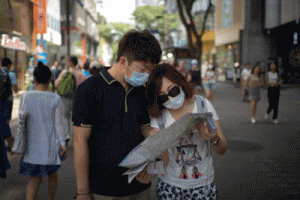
[177, 101]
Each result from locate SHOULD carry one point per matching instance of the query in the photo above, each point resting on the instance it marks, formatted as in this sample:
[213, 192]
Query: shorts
[35, 170]
[164, 191]
[209, 86]
[254, 94]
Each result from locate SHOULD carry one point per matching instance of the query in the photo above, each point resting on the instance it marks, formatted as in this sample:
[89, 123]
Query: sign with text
[40, 16]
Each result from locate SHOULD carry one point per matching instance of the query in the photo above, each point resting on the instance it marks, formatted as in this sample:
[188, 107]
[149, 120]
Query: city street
[262, 161]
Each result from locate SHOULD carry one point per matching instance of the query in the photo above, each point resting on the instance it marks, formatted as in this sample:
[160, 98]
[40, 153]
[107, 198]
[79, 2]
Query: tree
[185, 12]
[111, 33]
[155, 18]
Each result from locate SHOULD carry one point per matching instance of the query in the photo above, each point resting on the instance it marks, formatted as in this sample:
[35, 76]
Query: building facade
[258, 32]
[16, 27]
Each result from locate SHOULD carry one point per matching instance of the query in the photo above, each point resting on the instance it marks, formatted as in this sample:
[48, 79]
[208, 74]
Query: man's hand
[144, 177]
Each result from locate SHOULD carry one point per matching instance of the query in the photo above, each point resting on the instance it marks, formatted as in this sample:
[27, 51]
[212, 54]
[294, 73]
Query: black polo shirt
[116, 117]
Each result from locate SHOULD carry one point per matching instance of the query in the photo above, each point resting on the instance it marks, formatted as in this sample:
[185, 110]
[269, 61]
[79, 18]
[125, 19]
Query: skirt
[164, 191]
[36, 170]
[254, 94]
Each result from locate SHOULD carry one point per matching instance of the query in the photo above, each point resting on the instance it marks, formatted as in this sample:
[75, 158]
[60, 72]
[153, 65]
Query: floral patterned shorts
[165, 191]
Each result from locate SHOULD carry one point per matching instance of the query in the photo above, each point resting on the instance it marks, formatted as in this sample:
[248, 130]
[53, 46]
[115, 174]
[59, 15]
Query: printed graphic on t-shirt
[187, 157]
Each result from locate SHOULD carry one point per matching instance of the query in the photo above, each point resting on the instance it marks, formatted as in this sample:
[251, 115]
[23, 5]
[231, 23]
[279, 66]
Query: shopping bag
[20, 142]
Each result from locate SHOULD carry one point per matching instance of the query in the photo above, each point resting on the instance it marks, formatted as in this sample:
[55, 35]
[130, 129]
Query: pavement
[262, 161]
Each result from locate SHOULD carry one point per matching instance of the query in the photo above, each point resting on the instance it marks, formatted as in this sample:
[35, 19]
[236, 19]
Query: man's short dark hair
[74, 60]
[5, 62]
[139, 46]
[42, 73]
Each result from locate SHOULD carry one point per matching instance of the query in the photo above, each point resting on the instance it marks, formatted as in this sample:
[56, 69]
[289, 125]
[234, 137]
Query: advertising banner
[40, 16]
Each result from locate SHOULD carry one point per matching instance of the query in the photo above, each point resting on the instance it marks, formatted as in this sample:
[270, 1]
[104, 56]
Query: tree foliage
[185, 12]
[155, 18]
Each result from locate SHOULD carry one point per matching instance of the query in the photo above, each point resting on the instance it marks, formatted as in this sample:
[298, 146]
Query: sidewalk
[262, 162]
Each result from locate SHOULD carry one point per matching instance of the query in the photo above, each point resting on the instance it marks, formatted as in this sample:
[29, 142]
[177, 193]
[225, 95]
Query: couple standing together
[111, 117]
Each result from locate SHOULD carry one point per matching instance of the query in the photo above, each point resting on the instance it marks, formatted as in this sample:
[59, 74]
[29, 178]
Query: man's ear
[123, 61]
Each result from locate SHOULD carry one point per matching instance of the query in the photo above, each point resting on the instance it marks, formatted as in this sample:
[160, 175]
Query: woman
[45, 134]
[273, 83]
[253, 83]
[210, 78]
[170, 97]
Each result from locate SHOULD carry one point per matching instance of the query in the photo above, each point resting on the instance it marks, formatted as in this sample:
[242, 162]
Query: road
[262, 161]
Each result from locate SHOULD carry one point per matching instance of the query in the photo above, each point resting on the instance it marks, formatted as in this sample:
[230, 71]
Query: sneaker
[266, 115]
[275, 121]
[253, 120]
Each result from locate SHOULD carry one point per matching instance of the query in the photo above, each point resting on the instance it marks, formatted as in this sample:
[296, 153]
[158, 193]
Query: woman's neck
[42, 87]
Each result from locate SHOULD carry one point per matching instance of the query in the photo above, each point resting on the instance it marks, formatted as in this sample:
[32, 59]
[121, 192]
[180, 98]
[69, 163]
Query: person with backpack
[45, 141]
[189, 172]
[66, 85]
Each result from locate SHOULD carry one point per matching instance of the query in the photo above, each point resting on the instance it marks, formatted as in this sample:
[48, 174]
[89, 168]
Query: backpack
[67, 86]
[5, 85]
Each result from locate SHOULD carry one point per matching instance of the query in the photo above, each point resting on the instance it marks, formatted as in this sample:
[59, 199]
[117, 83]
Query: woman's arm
[222, 146]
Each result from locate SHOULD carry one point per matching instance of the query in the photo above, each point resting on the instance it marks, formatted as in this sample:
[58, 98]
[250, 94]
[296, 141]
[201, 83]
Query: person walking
[45, 134]
[210, 79]
[195, 73]
[110, 119]
[189, 172]
[67, 100]
[273, 82]
[245, 75]
[183, 71]
[86, 69]
[254, 83]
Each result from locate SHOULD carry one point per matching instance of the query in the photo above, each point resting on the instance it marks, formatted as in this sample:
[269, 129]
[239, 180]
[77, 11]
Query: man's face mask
[137, 78]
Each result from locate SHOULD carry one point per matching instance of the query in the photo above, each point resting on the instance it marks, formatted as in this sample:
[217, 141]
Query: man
[55, 69]
[67, 103]
[110, 119]
[245, 74]
[183, 71]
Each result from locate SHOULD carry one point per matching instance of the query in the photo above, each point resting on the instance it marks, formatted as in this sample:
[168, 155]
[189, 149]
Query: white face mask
[175, 102]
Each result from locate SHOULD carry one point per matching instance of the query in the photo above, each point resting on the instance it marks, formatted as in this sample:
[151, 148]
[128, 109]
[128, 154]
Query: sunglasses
[172, 93]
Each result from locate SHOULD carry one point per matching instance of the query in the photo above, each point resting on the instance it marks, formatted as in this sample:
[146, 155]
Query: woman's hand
[144, 177]
[63, 151]
[205, 133]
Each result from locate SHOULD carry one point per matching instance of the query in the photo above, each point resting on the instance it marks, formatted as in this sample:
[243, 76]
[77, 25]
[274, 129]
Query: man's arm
[81, 159]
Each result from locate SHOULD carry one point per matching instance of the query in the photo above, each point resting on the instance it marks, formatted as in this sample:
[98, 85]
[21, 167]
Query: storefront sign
[13, 43]
[40, 16]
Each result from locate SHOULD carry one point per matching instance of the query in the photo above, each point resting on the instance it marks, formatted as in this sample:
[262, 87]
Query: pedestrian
[67, 100]
[195, 73]
[96, 68]
[183, 71]
[86, 69]
[5, 115]
[254, 83]
[110, 119]
[45, 134]
[209, 79]
[273, 82]
[189, 172]
[56, 70]
[245, 75]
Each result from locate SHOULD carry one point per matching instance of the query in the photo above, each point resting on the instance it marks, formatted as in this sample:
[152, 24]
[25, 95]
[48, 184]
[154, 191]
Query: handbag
[20, 142]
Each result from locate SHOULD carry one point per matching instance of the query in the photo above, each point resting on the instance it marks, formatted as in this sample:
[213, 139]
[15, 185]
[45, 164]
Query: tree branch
[205, 17]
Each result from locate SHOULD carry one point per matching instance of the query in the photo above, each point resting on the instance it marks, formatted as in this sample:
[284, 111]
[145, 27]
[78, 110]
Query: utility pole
[68, 26]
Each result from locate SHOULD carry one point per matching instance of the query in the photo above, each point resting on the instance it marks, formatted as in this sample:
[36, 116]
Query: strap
[201, 105]
[161, 121]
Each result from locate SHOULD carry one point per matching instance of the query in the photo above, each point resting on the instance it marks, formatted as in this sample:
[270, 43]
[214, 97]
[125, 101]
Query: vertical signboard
[40, 16]
[227, 13]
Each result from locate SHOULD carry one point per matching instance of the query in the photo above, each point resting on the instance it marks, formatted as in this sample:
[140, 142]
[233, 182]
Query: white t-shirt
[190, 165]
[45, 130]
[273, 78]
[246, 73]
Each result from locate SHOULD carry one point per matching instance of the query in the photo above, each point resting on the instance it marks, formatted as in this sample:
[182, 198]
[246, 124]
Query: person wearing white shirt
[45, 134]
[245, 75]
[273, 83]
[188, 164]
